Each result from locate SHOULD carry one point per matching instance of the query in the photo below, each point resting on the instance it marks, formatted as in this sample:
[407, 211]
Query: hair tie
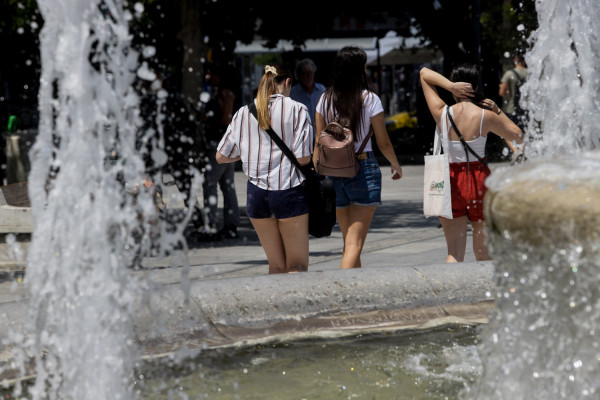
[271, 69]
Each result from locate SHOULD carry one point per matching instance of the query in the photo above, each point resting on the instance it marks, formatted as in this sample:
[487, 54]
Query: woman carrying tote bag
[474, 118]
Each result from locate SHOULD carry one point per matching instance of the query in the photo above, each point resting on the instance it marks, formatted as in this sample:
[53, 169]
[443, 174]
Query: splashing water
[562, 88]
[541, 342]
[88, 228]
[91, 219]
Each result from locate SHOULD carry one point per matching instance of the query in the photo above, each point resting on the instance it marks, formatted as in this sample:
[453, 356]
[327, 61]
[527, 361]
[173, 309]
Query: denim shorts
[364, 189]
[280, 204]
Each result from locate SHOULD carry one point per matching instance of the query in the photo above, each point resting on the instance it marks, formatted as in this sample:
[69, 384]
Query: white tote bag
[437, 200]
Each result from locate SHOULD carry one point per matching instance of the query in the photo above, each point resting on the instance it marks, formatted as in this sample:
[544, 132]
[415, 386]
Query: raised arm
[430, 79]
[497, 122]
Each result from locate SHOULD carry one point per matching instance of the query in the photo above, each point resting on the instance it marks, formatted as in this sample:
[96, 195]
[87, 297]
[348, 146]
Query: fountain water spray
[92, 215]
[563, 86]
[543, 218]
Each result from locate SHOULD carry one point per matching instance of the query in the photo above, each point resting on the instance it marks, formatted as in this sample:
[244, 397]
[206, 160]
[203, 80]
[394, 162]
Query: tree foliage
[203, 30]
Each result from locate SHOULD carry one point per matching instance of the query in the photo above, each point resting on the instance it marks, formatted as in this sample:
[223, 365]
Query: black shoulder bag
[320, 189]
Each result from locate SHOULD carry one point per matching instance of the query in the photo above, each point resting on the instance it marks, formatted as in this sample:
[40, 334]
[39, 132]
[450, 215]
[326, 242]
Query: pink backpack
[335, 151]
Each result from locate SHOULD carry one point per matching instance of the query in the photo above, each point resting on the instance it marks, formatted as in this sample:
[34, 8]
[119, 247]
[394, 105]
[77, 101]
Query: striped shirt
[263, 162]
[371, 107]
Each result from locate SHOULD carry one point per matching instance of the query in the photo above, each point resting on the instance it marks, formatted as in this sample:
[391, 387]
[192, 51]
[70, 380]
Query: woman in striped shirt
[277, 203]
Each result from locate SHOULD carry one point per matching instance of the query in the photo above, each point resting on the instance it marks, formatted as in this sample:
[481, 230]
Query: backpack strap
[519, 79]
[366, 139]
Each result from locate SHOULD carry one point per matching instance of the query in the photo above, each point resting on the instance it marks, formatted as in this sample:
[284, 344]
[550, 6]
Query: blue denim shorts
[280, 204]
[364, 189]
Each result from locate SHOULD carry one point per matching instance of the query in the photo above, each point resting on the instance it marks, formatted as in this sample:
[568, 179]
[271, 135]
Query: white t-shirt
[371, 107]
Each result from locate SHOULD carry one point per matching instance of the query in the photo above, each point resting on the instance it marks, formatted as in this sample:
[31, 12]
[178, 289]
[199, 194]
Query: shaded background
[189, 33]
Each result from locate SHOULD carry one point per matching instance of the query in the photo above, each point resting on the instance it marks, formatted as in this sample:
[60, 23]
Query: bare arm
[385, 145]
[497, 122]
[503, 91]
[319, 126]
[221, 159]
[492, 106]
[304, 160]
[429, 80]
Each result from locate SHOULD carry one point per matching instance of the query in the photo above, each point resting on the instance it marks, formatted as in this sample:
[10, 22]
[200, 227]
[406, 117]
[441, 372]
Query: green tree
[187, 33]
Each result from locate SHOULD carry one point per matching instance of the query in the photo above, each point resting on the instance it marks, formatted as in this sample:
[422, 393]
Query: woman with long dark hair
[350, 101]
[474, 116]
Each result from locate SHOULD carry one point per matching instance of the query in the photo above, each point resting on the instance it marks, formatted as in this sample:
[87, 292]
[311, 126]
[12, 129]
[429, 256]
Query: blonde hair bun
[271, 69]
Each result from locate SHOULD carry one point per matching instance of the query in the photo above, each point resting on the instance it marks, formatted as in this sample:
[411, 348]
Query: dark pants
[223, 175]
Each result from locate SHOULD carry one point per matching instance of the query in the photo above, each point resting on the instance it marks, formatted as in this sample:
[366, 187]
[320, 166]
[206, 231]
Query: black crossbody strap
[519, 79]
[286, 150]
[463, 142]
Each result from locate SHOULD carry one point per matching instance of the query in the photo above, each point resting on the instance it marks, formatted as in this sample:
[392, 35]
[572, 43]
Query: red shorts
[468, 189]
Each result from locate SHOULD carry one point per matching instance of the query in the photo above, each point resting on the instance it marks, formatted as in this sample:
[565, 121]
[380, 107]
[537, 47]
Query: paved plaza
[400, 235]
[226, 296]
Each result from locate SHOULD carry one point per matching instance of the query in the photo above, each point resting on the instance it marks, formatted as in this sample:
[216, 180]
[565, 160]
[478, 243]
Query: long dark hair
[349, 79]
[469, 73]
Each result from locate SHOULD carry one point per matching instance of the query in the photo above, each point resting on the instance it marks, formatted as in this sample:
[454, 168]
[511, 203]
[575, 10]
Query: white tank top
[456, 151]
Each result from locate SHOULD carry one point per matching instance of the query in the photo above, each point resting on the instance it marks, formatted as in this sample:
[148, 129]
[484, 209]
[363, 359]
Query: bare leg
[354, 223]
[294, 232]
[455, 231]
[479, 248]
[272, 243]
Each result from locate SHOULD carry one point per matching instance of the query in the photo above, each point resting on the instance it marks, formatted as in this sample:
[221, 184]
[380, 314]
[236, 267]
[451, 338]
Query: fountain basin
[15, 218]
[261, 309]
[328, 303]
[547, 203]
[543, 220]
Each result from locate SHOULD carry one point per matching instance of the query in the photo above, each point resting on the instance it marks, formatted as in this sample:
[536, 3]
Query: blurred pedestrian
[181, 130]
[510, 87]
[307, 91]
[217, 115]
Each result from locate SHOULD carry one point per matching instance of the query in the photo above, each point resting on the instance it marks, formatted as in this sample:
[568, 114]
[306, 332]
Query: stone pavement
[404, 283]
[400, 235]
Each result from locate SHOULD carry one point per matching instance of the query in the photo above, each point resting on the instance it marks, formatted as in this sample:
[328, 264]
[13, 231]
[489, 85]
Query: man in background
[307, 91]
[510, 86]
